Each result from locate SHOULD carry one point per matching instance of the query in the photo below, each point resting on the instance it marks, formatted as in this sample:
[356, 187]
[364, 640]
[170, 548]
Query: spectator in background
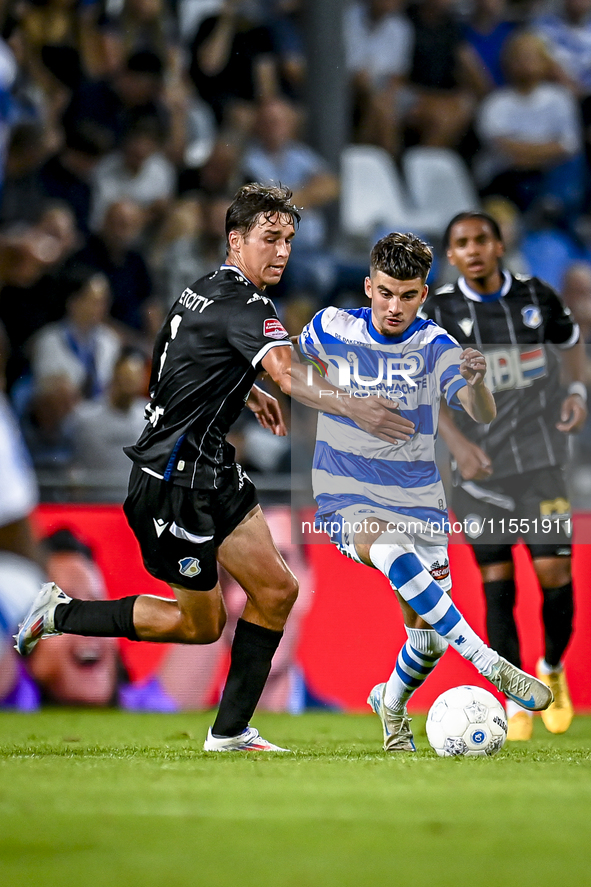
[276, 156]
[284, 22]
[116, 102]
[31, 259]
[46, 422]
[102, 427]
[112, 251]
[531, 134]
[566, 31]
[81, 345]
[446, 77]
[379, 41]
[138, 170]
[148, 25]
[22, 193]
[68, 174]
[232, 63]
[176, 254]
[487, 31]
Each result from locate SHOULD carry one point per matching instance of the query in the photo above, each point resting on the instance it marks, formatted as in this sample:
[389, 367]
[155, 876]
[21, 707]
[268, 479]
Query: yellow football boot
[558, 716]
[520, 727]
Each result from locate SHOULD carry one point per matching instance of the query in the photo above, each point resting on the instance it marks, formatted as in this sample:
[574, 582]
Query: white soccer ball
[466, 721]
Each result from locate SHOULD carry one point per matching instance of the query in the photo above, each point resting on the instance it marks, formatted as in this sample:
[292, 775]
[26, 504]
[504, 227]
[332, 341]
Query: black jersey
[521, 334]
[206, 358]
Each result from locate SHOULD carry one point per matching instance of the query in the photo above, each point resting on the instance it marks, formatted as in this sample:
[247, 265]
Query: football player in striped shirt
[509, 476]
[382, 502]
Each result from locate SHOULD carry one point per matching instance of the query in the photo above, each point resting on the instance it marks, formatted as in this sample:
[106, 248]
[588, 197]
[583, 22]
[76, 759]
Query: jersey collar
[478, 297]
[225, 267]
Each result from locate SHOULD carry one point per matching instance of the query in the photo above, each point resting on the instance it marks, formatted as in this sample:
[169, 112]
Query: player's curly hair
[255, 200]
[402, 256]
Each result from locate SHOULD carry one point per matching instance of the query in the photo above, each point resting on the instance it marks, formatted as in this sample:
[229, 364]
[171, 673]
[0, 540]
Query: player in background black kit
[189, 504]
[514, 468]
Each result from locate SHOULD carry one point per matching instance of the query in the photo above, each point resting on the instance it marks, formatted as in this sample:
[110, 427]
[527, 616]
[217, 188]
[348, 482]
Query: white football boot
[39, 621]
[397, 733]
[249, 740]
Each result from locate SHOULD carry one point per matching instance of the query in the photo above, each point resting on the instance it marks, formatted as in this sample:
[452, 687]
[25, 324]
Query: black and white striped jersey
[521, 333]
[206, 358]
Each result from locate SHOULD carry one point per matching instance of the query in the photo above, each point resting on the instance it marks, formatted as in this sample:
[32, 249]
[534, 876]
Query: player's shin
[253, 648]
[416, 586]
[97, 618]
[416, 660]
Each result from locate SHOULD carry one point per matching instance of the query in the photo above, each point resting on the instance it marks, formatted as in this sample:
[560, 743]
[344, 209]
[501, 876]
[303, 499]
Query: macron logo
[159, 526]
[459, 641]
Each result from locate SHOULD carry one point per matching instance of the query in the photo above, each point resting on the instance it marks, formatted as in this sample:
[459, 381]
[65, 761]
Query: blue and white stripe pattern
[424, 595]
[416, 369]
[412, 668]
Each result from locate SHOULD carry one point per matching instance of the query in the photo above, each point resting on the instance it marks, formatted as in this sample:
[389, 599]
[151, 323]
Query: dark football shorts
[179, 529]
[532, 507]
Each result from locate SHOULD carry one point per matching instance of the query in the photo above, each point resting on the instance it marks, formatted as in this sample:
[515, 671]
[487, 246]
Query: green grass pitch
[112, 799]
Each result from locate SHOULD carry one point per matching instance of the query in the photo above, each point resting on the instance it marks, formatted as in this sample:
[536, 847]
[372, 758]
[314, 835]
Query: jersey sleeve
[447, 369]
[561, 327]
[312, 339]
[255, 329]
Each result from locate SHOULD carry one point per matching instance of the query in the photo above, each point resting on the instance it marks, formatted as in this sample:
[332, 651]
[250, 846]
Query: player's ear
[367, 287]
[424, 294]
[235, 240]
[450, 257]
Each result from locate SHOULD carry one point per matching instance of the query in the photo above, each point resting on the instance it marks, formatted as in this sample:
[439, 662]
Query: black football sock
[557, 615]
[500, 621]
[97, 619]
[252, 652]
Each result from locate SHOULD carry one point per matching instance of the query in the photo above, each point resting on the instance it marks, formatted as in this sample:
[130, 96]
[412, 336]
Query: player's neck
[233, 261]
[487, 285]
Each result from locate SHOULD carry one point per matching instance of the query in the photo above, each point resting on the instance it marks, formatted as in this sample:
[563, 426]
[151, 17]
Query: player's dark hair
[402, 256]
[255, 200]
[467, 216]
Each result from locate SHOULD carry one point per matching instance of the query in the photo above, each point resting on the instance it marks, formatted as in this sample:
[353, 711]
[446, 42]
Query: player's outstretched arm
[375, 415]
[475, 397]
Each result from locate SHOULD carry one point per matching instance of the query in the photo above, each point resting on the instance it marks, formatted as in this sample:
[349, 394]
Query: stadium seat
[438, 182]
[373, 197]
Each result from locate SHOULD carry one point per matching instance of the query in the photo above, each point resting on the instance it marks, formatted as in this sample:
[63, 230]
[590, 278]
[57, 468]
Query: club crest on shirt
[273, 329]
[466, 324]
[532, 316]
[189, 566]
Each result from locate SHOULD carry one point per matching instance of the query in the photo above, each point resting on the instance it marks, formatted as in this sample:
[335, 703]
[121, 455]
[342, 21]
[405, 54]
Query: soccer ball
[466, 721]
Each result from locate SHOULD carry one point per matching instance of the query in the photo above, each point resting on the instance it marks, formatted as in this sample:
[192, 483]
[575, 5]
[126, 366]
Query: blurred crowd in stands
[127, 125]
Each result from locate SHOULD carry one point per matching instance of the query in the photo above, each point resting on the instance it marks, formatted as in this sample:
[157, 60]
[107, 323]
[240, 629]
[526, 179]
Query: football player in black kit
[509, 476]
[189, 504]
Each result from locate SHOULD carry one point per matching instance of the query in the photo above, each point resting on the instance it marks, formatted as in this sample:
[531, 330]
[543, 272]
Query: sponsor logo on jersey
[159, 526]
[532, 316]
[466, 324]
[510, 368]
[189, 566]
[439, 571]
[273, 329]
[193, 301]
